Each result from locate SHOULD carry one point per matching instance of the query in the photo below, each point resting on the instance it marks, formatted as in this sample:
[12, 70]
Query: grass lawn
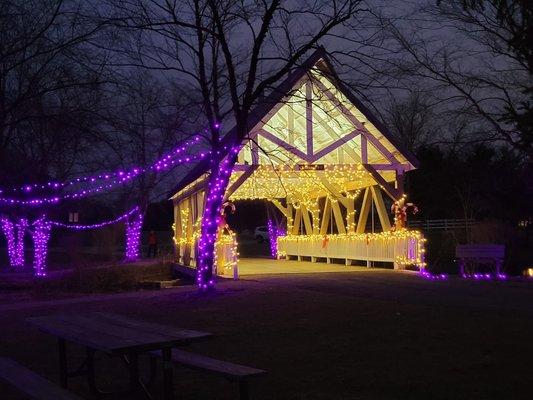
[369, 334]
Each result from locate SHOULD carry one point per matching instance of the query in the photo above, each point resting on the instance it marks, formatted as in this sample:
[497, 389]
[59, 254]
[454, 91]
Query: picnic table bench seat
[31, 384]
[228, 370]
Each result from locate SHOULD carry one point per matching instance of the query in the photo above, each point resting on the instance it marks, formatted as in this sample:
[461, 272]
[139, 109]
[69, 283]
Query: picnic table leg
[133, 363]
[167, 374]
[91, 378]
[63, 373]
[244, 393]
[153, 371]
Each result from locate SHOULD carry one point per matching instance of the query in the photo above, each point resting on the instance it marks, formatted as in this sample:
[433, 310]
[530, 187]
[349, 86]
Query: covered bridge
[321, 157]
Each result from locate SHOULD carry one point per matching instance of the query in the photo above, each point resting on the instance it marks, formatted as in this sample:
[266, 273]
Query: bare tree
[466, 55]
[141, 123]
[232, 53]
[47, 86]
[413, 121]
[48, 90]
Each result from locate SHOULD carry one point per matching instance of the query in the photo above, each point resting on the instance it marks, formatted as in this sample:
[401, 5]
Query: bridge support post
[398, 266]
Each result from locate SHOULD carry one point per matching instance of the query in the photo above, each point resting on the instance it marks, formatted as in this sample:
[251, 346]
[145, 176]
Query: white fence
[401, 248]
[441, 224]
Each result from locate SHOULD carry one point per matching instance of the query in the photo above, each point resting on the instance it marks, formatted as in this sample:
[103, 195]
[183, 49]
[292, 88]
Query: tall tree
[232, 53]
[475, 56]
[412, 120]
[47, 86]
[142, 122]
[507, 28]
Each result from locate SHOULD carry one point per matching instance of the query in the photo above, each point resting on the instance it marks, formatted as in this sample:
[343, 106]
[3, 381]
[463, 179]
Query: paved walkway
[268, 266]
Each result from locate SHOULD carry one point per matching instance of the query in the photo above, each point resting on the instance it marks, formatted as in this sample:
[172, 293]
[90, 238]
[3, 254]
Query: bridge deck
[262, 266]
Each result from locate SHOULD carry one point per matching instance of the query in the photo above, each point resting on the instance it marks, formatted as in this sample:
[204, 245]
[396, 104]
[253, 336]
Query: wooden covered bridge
[321, 157]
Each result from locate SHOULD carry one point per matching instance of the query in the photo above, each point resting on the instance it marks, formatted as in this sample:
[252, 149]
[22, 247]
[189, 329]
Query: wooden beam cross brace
[387, 187]
[365, 209]
[380, 208]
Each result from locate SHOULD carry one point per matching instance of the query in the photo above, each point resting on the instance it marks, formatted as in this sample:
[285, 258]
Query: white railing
[225, 251]
[402, 248]
[227, 256]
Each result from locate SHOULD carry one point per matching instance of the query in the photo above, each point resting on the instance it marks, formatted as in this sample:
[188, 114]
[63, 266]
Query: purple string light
[273, 233]
[42, 230]
[98, 225]
[40, 236]
[133, 235]
[14, 233]
[485, 277]
[433, 277]
[110, 180]
[60, 185]
[211, 219]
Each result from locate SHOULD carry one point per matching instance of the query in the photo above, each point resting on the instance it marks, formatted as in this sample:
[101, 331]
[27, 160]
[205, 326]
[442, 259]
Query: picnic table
[115, 335]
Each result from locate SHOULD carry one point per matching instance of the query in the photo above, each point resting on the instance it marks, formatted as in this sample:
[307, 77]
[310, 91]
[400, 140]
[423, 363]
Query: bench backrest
[496, 251]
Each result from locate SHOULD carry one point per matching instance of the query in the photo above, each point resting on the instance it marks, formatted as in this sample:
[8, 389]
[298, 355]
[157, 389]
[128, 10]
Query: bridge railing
[402, 248]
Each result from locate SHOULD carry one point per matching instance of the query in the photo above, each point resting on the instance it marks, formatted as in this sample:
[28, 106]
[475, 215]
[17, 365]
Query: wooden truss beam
[365, 209]
[307, 221]
[309, 116]
[332, 134]
[358, 124]
[393, 193]
[297, 221]
[285, 100]
[380, 208]
[284, 210]
[199, 185]
[339, 221]
[333, 190]
[350, 216]
[325, 217]
[240, 180]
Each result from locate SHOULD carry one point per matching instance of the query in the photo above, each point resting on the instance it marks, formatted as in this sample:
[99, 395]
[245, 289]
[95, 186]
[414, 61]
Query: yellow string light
[388, 238]
[295, 182]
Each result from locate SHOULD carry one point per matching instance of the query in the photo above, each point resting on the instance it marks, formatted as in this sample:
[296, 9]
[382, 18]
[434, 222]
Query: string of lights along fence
[485, 277]
[432, 277]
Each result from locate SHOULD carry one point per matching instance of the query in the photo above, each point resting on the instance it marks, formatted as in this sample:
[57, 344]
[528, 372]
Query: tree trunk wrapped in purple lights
[40, 236]
[14, 233]
[218, 182]
[133, 236]
[273, 233]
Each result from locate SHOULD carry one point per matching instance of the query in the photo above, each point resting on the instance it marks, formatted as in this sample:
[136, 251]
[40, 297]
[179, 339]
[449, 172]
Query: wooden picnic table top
[112, 333]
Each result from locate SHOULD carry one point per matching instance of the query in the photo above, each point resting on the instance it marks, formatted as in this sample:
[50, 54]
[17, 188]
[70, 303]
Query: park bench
[230, 371]
[31, 384]
[480, 254]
